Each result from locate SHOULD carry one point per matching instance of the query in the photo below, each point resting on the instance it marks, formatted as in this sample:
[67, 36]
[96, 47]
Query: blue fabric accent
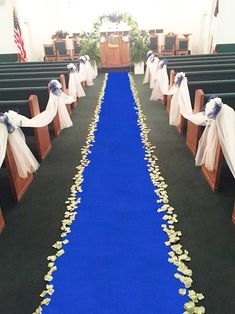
[116, 261]
[163, 62]
[54, 88]
[179, 80]
[214, 113]
[5, 120]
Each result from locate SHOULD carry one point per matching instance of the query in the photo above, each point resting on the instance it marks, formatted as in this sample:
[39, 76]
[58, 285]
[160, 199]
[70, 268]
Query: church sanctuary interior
[117, 157]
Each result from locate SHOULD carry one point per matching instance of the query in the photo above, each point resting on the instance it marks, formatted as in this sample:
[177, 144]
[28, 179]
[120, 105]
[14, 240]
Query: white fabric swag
[161, 83]
[75, 86]
[151, 68]
[219, 129]
[25, 160]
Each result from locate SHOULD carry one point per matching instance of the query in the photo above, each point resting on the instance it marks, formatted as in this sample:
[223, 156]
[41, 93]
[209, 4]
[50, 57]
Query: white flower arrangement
[179, 78]
[12, 118]
[213, 107]
[55, 87]
[83, 59]
[71, 67]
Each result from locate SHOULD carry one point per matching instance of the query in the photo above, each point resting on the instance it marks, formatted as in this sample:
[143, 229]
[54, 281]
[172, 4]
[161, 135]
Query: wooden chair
[154, 46]
[61, 51]
[76, 50]
[170, 44]
[49, 53]
[182, 48]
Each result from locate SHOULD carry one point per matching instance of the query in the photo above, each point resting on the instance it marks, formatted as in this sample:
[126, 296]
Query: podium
[114, 51]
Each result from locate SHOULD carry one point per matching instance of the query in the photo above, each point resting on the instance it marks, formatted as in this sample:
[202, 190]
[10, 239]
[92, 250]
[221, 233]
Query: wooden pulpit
[114, 50]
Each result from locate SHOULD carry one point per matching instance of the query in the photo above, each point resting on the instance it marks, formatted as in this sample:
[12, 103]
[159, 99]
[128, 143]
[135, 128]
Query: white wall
[40, 19]
[7, 44]
[225, 28]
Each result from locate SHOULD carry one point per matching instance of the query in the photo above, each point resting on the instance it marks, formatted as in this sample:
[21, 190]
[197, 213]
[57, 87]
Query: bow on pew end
[10, 131]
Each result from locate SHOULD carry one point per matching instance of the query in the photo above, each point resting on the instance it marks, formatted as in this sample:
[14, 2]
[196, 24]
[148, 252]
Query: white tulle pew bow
[10, 123]
[161, 82]
[218, 118]
[220, 129]
[151, 68]
[75, 86]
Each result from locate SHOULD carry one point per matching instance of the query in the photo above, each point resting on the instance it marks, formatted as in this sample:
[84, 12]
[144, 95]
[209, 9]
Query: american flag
[216, 11]
[18, 37]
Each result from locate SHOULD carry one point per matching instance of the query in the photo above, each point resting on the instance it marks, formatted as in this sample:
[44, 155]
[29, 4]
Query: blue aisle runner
[116, 260]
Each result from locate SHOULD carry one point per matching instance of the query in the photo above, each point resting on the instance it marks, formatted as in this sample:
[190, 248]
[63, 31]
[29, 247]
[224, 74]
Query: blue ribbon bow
[4, 118]
[163, 62]
[55, 89]
[179, 80]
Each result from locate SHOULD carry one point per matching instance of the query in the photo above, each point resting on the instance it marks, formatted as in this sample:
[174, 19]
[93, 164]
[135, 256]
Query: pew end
[18, 185]
[42, 136]
[56, 121]
[169, 97]
[213, 177]
[66, 91]
[194, 131]
[233, 214]
[2, 222]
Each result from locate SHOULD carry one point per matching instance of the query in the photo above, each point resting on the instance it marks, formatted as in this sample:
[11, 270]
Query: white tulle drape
[161, 84]
[151, 68]
[89, 73]
[219, 130]
[25, 160]
[75, 86]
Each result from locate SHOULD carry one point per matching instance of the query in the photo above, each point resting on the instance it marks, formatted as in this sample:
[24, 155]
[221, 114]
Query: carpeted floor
[34, 224]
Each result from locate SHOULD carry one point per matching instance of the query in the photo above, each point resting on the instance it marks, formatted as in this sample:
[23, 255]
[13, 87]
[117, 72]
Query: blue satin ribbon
[55, 89]
[214, 113]
[151, 58]
[5, 120]
[216, 110]
[163, 62]
[179, 80]
[82, 61]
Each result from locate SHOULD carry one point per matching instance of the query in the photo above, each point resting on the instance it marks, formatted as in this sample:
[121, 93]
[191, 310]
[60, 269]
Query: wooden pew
[30, 108]
[204, 55]
[233, 214]
[33, 69]
[2, 222]
[16, 93]
[208, 70]
[194, 133]
[208, 77]
[21, 82]
[28, 84]
[18, 185]
[200, 62]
